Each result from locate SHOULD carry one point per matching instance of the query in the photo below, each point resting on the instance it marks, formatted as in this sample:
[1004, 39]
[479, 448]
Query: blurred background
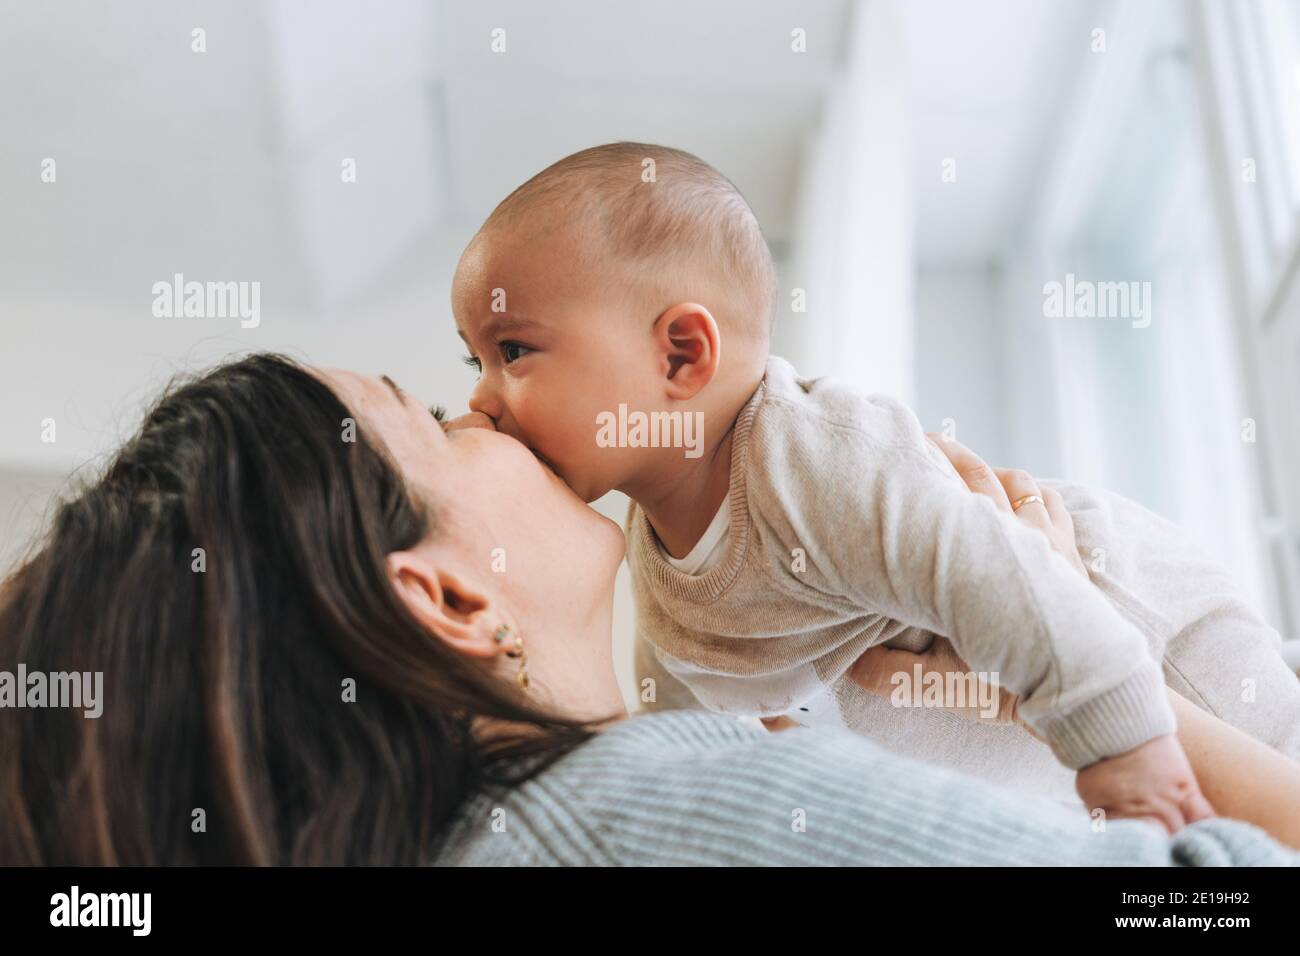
[924, 170]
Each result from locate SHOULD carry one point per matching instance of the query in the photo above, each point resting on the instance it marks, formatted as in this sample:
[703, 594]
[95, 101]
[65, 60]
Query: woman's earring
[517, 652]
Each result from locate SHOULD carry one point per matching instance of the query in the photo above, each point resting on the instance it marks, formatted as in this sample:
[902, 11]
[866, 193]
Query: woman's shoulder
[680, 732]
[689, 787]
[669, 788]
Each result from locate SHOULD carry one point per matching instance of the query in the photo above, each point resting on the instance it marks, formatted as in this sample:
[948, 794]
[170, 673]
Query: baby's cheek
[581, 449]
[561, 429]
[550, 435]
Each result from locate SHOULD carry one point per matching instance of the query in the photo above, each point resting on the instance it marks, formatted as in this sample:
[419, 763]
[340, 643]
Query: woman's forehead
[368, 389]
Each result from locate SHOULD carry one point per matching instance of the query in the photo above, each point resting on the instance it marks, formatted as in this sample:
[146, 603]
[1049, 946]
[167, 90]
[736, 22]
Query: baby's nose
[470, 420]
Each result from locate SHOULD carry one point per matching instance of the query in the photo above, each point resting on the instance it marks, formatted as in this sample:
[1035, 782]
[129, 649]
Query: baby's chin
[583, 489]
[559, 475]
[581, 485]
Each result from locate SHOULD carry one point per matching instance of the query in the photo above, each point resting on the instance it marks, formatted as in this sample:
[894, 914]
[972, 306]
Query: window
[1251, 57]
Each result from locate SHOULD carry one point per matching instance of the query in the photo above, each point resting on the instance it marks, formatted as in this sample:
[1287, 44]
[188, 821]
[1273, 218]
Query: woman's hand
[1006, 487]
[876, 668]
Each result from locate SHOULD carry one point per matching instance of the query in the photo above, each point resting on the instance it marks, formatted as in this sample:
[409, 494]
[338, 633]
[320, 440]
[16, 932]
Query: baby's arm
[898, 535]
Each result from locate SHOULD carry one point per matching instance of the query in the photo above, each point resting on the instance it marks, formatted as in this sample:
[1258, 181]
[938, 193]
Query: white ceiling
[226, 163]
[716, 78]
[987, 82]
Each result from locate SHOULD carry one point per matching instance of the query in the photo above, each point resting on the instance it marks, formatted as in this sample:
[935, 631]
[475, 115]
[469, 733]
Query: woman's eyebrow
[401, 396]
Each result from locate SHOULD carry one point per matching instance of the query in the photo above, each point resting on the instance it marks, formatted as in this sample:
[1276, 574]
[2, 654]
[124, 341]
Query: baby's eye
[513, 351]
[473, 363]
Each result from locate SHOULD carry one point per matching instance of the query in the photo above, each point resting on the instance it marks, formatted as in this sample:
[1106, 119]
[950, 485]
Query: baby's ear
[689, 346]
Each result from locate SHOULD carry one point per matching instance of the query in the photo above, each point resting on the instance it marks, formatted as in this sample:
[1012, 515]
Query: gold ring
[1026, 500]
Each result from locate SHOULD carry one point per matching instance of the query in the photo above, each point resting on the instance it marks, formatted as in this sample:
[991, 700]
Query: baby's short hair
[680, 217]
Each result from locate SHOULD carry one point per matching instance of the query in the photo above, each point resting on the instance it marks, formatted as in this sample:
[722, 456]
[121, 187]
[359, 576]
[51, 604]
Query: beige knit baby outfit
[848, 528]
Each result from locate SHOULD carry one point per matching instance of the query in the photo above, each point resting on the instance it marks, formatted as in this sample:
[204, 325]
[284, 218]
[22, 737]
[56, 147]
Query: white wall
[25, 501]
[90, 365]
[853, 236]
[960, 370]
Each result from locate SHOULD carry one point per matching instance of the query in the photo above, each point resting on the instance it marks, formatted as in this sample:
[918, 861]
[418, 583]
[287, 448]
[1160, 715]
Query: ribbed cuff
[1114, 722]
[1222, 842]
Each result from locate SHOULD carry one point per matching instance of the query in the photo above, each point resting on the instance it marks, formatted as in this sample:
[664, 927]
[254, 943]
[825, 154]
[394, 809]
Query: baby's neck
[681, 502]
[681, 495]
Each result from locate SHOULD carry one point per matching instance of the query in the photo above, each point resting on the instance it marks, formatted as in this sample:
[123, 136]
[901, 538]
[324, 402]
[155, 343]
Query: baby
[623, 297]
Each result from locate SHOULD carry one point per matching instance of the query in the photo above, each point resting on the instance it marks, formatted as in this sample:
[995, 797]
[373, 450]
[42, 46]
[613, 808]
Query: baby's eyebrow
[501, 324]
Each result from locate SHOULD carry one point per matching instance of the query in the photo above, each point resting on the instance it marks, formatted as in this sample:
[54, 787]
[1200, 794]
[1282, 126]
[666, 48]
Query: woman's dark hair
[224, 669]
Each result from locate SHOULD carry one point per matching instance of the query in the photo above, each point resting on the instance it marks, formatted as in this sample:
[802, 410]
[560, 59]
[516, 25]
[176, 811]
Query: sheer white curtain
[1251, 88]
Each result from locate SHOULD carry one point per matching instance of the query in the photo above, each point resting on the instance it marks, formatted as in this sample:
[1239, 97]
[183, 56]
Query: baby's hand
[1152, 782]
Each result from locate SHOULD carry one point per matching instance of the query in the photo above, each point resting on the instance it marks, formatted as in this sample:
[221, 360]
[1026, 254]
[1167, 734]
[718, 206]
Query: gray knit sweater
[696, 788]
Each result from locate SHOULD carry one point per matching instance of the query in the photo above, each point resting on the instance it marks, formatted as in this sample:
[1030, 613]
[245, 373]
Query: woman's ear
[445, 605]
[690, 347]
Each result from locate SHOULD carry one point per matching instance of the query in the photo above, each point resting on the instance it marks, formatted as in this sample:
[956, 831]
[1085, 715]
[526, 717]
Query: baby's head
[624, 275]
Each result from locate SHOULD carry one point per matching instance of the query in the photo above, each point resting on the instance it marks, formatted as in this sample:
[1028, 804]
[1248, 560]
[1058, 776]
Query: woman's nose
[470, 420]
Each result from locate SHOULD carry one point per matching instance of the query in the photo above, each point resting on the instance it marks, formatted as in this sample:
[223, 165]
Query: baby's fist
[1151, 782]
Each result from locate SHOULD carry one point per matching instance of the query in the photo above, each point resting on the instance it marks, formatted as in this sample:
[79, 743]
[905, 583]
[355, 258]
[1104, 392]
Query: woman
[331, 632]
